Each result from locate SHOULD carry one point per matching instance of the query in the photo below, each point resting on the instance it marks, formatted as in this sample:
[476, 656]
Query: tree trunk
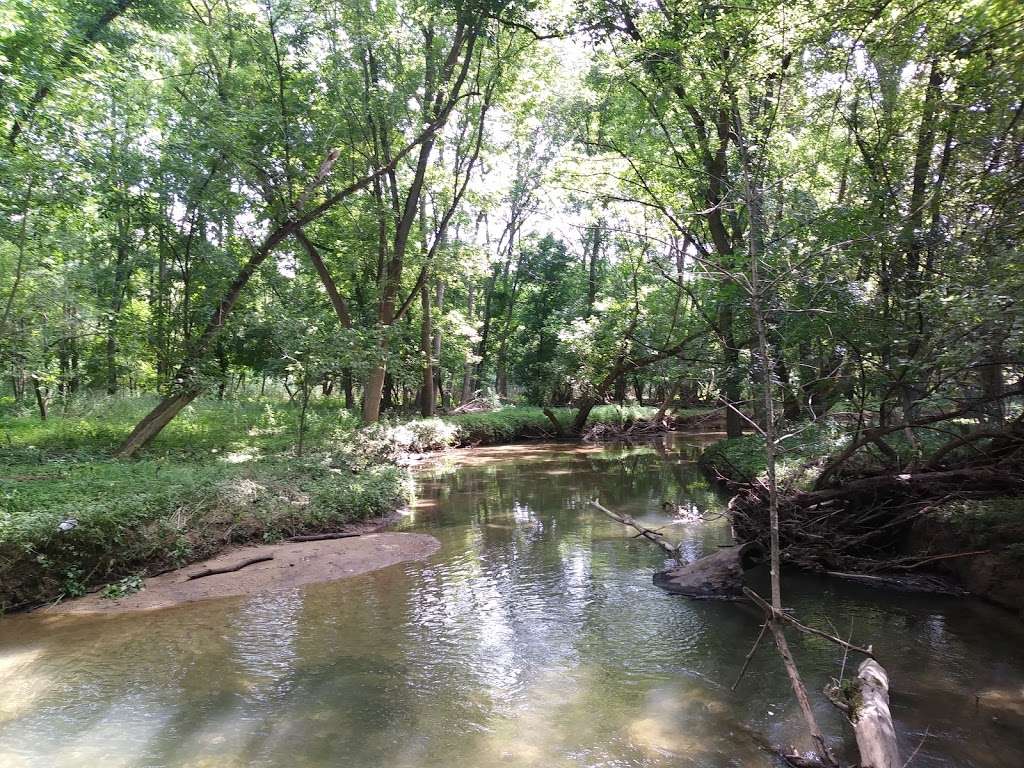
[481, 365]
[501, 370]
[373, 392]
[659, 417]
[582, 414]
[594, 252]
[620, 390]
[993, 385]
[346, 381]
[223, 366]
[186, 389]
[638, 390]
[426, 349]
[116, 300]
[40, 398]
[387, 401]
[755, 244]
[304, 391]
[439, 292]
[467, 372]
[151, 426]
[733, 389]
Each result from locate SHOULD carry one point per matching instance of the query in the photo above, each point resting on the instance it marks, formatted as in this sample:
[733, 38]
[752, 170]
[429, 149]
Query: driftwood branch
[821, 746]
[322, 536]
[764, 606]
[229, 568]
[750, 655]
[949, 556]
[648, 533]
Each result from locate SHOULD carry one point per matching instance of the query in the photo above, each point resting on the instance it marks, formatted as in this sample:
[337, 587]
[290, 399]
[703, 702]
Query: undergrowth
[804, 450]
[222, 473]
[996, 523]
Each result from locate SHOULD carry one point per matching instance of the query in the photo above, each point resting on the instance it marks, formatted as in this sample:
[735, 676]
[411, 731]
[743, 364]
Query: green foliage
[737, 459]
[149, 147]
[222, 473]
[184, 502]
[804, 449]
[129, 585]
[987, 523]
[510, 424]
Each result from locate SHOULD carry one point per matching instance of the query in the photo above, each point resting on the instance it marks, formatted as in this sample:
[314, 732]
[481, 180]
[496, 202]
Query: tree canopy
[419, 204]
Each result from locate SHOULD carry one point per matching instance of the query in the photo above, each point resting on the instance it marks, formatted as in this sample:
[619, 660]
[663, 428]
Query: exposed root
[228, 568]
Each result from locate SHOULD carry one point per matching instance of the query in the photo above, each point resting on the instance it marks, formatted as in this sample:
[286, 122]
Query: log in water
[715, 576]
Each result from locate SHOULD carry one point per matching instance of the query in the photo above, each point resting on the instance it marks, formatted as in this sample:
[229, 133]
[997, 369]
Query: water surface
[534, 637]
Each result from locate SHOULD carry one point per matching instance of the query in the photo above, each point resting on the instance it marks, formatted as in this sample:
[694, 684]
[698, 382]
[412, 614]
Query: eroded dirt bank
[293, 565]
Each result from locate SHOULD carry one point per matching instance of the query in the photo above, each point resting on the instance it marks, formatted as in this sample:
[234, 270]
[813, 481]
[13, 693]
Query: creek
[534, 637]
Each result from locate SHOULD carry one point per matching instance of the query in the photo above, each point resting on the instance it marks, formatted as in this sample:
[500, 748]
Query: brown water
[533, 638]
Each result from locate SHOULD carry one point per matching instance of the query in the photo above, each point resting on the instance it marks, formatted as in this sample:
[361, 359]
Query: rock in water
[717, 576]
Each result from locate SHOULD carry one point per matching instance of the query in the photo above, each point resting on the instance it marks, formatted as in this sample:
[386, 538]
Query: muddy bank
[291, 565]
[992, 528]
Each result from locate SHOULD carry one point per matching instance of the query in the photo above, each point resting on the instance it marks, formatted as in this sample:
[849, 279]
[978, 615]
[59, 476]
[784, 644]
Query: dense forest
[415, 206]
[256, 254]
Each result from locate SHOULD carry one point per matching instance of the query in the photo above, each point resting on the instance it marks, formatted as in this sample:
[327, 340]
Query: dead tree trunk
[716, 576]
[872, 721]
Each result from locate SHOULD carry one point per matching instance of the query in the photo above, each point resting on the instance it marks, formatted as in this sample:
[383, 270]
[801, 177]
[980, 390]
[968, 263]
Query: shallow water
[533, 638]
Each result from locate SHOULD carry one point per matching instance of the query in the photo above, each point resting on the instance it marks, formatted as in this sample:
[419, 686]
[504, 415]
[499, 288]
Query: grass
[510, 424]
[222, 473]
[96, 426]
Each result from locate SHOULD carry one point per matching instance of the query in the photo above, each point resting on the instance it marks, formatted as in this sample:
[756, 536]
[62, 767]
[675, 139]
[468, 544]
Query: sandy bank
[293, 565]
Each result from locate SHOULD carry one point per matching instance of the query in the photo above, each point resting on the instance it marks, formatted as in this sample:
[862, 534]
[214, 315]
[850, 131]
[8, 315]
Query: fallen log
[229, 568]
[717, 576]
[322, 536]
[868, 710]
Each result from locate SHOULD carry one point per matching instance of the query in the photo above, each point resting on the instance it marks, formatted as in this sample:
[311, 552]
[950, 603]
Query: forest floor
[223, 474]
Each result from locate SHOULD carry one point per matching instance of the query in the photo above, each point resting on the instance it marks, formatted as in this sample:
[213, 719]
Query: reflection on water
[533, 638]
